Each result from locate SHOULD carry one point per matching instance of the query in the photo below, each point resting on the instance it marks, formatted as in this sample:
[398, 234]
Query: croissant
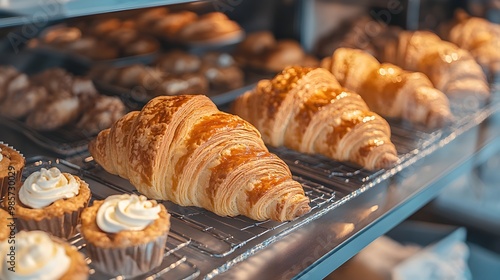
[183, 149]
[451, 69]
[388, 90]
[305, 109]
[480, 37]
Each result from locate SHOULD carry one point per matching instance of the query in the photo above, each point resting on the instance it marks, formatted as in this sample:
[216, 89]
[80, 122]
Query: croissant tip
[386, 161]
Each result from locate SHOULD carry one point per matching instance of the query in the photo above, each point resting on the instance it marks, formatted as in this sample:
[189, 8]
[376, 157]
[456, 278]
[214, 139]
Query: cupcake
[11, 168]
[7, 226]
[125, 234]
[38, 255]
[51, 201]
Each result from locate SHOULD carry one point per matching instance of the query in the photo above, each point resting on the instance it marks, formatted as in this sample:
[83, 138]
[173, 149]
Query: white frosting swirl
[36, 257]
[46, 186]
[126, 212]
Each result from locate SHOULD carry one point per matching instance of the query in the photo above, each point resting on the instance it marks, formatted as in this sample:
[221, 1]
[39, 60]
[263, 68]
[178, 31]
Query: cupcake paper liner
[62, 227]
[129, 261]
[4, 182]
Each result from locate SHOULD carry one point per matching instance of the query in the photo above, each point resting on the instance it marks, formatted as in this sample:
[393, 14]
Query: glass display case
[351, 206]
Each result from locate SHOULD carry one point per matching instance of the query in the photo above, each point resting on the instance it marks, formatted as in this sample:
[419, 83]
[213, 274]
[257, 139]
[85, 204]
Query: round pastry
[286, 53]
[170, 24]
[178, 62]
[38, 255]
[147, 19]
[11, 168]
[7, 225]
[125, 234]
[209, 27]
[104, 27]
[141, 45]
[257, 43]
[51, 201]
[61, 36]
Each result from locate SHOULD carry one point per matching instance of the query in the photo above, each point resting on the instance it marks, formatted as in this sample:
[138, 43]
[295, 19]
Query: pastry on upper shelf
[178, 62]
[19, 95]
[261, 50]
[211, 26]
[221, 71]
[183, 149]
[388, 90]
[100, 113]
[480, 37]
[169, 25]
[53, 99]
[148, 18]
[306, 109]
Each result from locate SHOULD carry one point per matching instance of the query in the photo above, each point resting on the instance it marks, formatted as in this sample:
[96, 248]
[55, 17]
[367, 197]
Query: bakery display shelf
[34, 11]
[218, 236]
[174, 266]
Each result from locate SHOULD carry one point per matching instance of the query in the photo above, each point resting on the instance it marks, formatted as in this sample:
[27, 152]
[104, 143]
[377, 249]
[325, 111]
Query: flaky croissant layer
[183, 149]
[306, 109]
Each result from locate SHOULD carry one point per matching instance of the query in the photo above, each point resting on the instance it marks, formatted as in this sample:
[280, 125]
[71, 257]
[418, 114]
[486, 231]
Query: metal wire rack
[175, 264]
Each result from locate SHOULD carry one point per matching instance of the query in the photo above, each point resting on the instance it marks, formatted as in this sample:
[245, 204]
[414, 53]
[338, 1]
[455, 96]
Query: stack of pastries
[99, 39]
[188, 27]
[175, 73]
[54, 99]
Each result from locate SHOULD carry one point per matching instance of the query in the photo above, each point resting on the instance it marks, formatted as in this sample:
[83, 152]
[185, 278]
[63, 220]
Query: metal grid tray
[174, 266]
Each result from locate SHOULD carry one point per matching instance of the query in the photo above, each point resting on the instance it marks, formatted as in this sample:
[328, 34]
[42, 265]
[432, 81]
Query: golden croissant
[388, 90]
[183, 149]
[451, 69]
[305, 109]
[480, 37]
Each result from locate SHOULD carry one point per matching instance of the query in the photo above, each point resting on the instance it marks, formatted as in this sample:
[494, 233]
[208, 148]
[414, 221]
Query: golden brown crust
[58, 208]
[127, 238]
[216, 160]
[305, 109]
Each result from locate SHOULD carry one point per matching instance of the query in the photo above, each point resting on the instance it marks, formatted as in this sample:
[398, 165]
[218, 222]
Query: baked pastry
[51, 201]
[7, 225]
[38, 255]
[306, 109]
[388, 90]
[101, 112]
[125, 234]
[170, 24]
[451, 69]
[178, 62]
[215, 160]
[221, 71]
[54, 113]
[480, 37]
[11, 168]
[182, 84]
[262, 51]
[147, 19]
[211, 26]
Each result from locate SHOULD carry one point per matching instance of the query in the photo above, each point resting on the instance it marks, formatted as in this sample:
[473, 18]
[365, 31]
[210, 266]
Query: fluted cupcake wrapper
[6, 182]
[62, 227]
[129, 261]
